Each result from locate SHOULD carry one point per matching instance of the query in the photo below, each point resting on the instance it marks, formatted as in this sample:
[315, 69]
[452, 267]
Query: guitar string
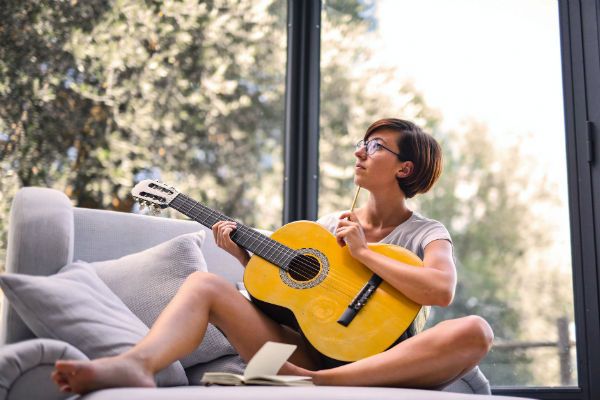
[323, 285]
[308, 272]
[377, 305]
[263, 238]
[304, 273]
[269, 241]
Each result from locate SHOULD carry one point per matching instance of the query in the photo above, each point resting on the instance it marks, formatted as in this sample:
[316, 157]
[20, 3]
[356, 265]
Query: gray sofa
[46, 233]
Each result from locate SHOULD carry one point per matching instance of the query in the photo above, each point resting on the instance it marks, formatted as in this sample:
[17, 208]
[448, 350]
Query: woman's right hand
[221, 231]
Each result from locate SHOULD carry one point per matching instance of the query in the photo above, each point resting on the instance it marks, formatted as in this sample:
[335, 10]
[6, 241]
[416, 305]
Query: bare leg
[430, 359]
[203, 298]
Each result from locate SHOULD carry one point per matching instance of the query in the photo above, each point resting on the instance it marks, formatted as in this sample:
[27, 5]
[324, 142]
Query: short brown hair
[416, 146]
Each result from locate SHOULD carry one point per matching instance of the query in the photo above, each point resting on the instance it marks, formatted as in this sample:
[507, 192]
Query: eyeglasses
[373, 146]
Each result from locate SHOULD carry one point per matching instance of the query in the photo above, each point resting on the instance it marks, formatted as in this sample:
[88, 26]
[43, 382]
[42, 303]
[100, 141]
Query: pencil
[355, 198]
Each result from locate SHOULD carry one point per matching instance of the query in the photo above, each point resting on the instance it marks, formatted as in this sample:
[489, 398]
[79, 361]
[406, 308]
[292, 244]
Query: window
[99, 95]
[492, 96]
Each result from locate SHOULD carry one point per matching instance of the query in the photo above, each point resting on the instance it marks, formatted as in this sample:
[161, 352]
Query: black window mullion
[574, 93]
[590, 15]
[301, 182]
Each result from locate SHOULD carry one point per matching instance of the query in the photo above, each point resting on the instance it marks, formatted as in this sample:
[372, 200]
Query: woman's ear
[406, 169]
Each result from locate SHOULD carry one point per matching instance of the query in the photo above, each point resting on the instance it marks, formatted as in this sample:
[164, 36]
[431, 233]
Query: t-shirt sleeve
[330, 221]
[435, 231]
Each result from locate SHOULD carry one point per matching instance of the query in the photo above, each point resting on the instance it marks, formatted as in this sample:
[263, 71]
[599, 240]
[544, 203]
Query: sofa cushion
[216, 392]
[75, 306]
[146, 282]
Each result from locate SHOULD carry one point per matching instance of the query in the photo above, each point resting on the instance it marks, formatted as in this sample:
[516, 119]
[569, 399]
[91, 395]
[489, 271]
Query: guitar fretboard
[248, 238]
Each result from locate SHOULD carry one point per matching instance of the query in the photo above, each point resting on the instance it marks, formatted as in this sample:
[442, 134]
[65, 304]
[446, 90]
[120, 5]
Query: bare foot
[86, 376]
[292, 369]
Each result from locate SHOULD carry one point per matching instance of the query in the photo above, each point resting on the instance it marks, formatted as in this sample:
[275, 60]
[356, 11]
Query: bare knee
[476, 334]
[205, 286]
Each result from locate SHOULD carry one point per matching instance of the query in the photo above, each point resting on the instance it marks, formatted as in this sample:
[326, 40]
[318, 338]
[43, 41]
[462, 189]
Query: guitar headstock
[153, 194]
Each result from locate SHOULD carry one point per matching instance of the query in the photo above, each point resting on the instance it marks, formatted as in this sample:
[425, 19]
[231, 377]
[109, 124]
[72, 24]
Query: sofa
[46, 233]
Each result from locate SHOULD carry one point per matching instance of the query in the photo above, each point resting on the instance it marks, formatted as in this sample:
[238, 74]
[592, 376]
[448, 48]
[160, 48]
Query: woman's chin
[359, 181]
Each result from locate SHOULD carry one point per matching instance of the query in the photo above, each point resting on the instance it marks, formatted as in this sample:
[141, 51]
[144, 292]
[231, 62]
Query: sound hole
[304, 268]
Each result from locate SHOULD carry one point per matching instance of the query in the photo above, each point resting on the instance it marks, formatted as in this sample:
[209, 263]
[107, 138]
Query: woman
[395, 161]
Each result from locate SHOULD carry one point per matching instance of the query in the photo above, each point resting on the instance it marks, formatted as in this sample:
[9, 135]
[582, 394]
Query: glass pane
[484, 77]
[96, 95]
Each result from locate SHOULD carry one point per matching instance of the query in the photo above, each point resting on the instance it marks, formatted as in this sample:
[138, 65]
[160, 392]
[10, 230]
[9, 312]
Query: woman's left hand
[350, 232]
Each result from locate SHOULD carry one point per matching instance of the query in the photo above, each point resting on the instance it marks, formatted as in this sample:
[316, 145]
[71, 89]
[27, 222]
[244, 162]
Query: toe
[65, 388]
[67, 367]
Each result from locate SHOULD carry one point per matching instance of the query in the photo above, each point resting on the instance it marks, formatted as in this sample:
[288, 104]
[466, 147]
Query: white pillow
[75, 306]
[147, 281]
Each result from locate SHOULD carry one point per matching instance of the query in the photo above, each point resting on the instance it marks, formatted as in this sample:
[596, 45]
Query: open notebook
[261, 369]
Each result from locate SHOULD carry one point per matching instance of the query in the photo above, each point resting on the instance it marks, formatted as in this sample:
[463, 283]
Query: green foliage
[493, 228]
[486, 206]
[101, 94]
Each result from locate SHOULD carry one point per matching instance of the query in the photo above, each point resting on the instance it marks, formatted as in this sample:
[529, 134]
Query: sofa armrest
[40, 242]
[25, 368]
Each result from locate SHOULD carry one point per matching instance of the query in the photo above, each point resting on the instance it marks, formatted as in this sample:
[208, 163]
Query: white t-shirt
[414, 234]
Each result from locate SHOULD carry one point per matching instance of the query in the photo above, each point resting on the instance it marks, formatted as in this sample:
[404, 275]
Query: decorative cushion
[147, 281]
[75, 306]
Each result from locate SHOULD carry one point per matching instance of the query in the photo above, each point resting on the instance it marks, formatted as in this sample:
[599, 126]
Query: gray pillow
[147, 281]
[75, 306]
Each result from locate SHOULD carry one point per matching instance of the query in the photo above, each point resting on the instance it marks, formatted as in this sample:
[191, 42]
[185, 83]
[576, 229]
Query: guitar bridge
[359, 301]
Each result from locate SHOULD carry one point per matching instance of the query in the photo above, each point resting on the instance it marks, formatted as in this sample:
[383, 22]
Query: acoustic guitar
[344, 310]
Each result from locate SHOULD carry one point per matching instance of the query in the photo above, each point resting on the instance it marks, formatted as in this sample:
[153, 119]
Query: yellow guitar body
[318, 303]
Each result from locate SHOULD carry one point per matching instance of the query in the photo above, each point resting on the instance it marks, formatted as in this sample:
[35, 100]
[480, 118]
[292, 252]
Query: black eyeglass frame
[365, 143]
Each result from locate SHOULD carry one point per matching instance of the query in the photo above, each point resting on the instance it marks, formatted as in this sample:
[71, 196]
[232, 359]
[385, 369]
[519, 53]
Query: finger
[218, 229]
[222, 225]
[349, 215]
[225, 235]
[215, 229]
[345, 222]
[340, 236]
[346, 230]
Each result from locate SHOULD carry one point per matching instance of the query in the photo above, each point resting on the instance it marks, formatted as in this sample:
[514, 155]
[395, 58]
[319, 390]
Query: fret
[279, 254]
[246, 237]
[248, 233]
[254, 239]
[192, 209]
[270, 247]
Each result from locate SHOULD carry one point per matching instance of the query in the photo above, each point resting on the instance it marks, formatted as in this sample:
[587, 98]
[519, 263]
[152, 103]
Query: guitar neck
[244, 236]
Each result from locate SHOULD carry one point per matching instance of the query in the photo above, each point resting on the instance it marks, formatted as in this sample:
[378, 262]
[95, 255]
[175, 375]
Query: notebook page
[269, 359]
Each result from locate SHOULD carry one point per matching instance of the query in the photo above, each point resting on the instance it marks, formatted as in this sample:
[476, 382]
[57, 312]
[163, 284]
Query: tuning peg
[142, 205]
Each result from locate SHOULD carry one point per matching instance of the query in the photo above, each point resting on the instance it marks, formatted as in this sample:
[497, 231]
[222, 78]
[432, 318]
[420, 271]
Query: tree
[96, 96]
[486, 207]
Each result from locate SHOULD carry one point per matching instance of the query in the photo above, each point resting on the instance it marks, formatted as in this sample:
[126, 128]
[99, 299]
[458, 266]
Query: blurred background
[98, 95]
